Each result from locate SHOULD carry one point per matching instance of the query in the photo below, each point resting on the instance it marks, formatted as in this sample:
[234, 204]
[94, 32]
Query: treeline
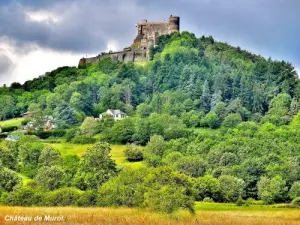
[198, 71]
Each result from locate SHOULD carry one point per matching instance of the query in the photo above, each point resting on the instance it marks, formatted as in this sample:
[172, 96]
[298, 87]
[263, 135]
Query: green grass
[117, 152]
[200, 206]
[13, 122]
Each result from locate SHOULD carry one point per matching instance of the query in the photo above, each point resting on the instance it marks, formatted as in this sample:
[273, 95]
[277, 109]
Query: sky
[37, 36]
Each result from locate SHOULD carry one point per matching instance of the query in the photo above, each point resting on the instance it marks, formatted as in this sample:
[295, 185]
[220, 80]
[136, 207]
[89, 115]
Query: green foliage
[8, 179]
[211, 120]
[81, 139]
[296, 202]
[272, 190]
[49, 157]
[50, 178]
[295, 190]
[89, 127]
[231, 188]
[63, 197]
[207, 187]
[134, 153]
[95, 168]
[231, 121]
[25, 196]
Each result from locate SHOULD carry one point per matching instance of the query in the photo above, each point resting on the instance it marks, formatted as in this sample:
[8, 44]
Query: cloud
[80, 27]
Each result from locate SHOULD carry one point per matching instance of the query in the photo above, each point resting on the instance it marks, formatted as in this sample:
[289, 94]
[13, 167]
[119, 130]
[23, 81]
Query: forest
[207, 122]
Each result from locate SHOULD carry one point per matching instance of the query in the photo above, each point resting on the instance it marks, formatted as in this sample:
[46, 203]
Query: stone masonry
[146, 36]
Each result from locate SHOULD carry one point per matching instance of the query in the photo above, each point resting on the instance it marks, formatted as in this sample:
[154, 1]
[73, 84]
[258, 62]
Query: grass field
[12, 122]
[117, 152]
[206, 214]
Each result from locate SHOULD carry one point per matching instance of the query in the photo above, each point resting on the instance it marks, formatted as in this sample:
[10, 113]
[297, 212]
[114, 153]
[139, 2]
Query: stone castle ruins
[147, 35]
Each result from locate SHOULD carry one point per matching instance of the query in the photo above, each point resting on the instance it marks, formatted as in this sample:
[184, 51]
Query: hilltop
[205, 121]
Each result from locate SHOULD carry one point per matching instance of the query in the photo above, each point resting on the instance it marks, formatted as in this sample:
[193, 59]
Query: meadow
[12, 122]
[206, 213]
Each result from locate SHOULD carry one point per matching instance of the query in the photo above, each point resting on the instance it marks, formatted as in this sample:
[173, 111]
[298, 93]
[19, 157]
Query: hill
[208, 122]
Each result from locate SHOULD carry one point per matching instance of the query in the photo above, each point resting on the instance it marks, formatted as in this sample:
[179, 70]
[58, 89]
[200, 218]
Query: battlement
[147, 34]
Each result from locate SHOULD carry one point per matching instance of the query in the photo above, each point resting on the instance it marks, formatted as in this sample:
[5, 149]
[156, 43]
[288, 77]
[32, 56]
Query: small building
[27, 114]
[115, 113]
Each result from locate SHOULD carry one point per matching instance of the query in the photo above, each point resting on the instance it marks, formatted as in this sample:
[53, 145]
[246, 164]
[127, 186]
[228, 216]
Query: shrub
[133, 153]
[80, 139]
[58, 133]
[63, 197]
[295, 190]
[208, 199]
[296, 202]
[8, 179]
[25, 121]
[50, 177]
[88, 198]
[232, 120]
[9, 129]
[71, 133]
[25, 196]
[240, 201]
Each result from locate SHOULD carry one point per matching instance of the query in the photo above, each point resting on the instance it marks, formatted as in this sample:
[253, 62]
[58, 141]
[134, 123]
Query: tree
[295, 190]
[205, 98]
[96, 167]
[49, 157]
[232, 120]
[143, 110]
[38, 118]
[133, 153]
[8, 179]
[123, 131]
[155, 150]
[272, 190]
[231, 188]
[50, 178]
[90, 127]
[211, 120]
[65, 116]
[207, 187]
[7, 107]
[168, 191]
[192, 165]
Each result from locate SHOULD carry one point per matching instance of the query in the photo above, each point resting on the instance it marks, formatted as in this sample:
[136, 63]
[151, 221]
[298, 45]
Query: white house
[116, 114]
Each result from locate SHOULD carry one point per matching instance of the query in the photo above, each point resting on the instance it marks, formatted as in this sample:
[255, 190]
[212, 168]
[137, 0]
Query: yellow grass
[120, 216]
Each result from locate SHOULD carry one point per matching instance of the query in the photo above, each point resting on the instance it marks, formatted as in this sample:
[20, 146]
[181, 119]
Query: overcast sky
[37, 36]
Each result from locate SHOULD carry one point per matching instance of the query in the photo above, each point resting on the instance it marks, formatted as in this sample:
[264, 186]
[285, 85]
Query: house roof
[115, 112]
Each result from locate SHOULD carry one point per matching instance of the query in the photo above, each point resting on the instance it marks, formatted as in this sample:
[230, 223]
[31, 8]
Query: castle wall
[147, 35]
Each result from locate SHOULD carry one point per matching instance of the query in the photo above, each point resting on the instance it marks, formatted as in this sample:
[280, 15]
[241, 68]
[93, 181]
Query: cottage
[116, 114]
[27, 114]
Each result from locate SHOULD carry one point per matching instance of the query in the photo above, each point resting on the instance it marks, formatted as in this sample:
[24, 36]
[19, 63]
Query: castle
[147, 35]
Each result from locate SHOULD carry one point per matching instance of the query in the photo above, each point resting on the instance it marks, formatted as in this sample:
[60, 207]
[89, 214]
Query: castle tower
[174, 24]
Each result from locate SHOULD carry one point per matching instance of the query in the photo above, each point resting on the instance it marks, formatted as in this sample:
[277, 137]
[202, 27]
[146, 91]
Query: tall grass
[120, 216]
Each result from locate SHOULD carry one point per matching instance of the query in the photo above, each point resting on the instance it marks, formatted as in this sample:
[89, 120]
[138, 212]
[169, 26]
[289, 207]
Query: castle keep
[146, 36]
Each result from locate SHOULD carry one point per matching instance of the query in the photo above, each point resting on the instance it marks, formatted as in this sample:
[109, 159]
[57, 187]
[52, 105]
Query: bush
[88, 198]
[240, 201]
[133, 153]
[24, 196]
[25, 121]
[58, 133]
[296, 202]
[208, 199]
[50, 177]
[295, 190]
[71, 133]
[9, 129]
[63, 197]
[80, 139]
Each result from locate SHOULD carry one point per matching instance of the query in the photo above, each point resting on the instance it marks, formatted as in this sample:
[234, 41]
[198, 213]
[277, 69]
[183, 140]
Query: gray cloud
[268, 27]
[5, 64]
